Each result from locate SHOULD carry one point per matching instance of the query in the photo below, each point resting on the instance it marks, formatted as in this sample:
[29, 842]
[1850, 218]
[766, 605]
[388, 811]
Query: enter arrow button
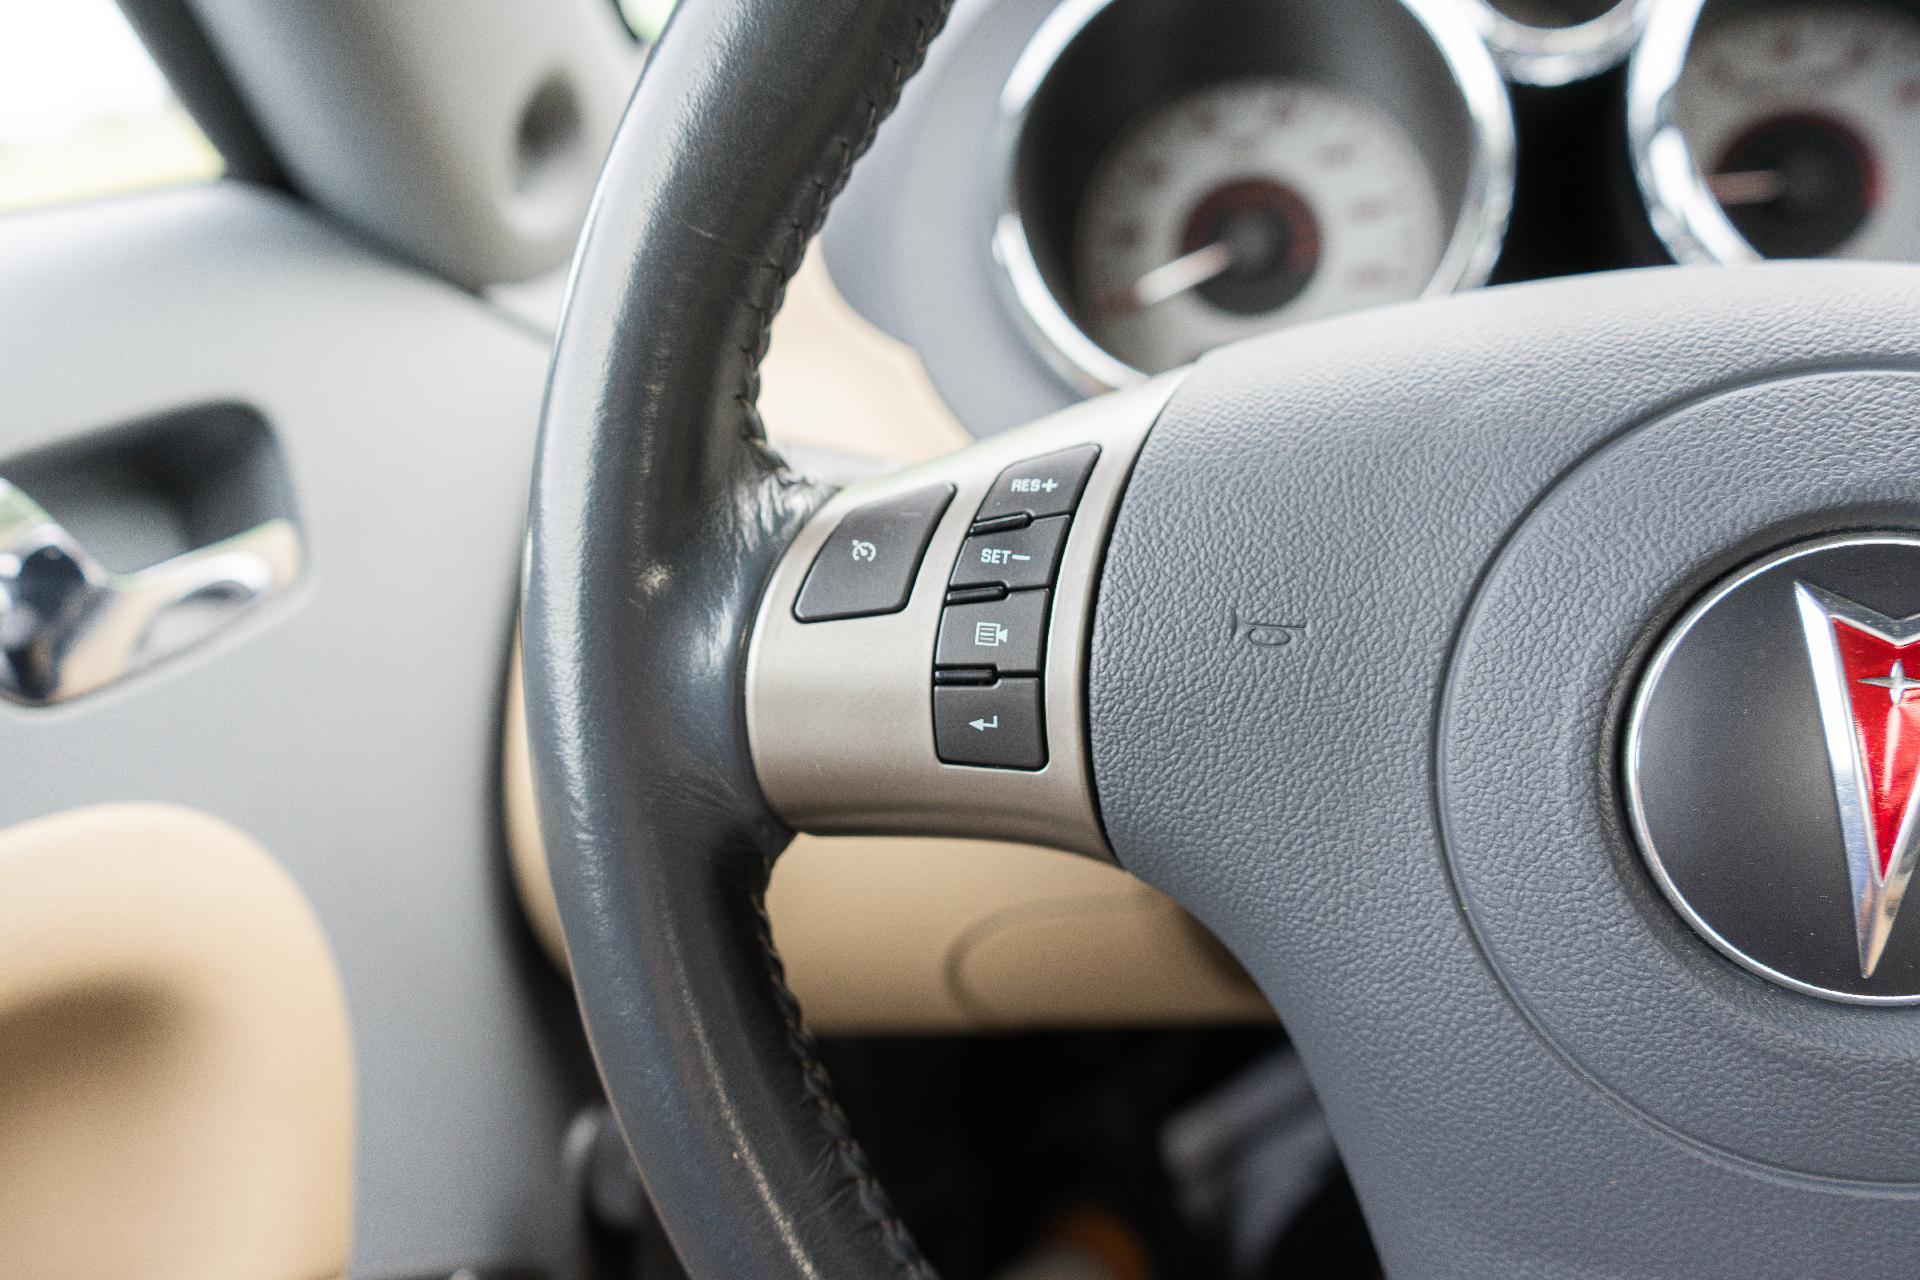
[996, 726]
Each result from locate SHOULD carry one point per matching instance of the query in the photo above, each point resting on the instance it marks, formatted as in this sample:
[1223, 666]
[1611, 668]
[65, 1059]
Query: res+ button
[1044, 486]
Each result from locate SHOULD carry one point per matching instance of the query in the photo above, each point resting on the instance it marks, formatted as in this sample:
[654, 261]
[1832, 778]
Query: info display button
[1007, 635]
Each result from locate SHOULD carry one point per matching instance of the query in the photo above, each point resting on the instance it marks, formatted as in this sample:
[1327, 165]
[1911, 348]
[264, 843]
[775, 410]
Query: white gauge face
[1245, 206]
[1805, 122]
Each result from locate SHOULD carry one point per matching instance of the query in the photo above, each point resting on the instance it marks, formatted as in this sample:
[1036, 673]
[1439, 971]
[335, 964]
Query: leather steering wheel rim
[654, 486]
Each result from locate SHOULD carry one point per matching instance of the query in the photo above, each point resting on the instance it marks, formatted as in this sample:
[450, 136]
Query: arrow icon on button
[984, 725]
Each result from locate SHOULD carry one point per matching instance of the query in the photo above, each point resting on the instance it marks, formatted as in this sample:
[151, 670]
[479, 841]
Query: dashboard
[1084, 193]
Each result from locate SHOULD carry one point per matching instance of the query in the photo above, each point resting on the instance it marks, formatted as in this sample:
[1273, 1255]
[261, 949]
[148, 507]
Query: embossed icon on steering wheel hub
[1773, 767]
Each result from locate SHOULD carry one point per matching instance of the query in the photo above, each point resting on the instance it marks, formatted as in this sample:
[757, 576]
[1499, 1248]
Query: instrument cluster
[1177, 174]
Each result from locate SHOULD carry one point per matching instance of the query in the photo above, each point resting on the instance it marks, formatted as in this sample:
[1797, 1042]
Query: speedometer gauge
[1186, 173]
[1244, 206]
[1803, 125]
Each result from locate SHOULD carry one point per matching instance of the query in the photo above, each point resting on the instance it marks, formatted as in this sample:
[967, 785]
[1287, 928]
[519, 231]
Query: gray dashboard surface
[909, 243]
[352, 726]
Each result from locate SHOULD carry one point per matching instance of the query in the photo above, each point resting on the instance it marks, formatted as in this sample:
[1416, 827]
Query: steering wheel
[1449, 662]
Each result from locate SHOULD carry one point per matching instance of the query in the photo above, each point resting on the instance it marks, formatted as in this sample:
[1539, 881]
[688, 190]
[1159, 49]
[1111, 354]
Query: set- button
[1015, 558]
[989, 701]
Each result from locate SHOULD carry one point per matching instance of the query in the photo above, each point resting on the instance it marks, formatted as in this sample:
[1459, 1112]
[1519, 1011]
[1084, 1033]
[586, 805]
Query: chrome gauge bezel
[1471, 249]
[1683, 213]
[1552, 56]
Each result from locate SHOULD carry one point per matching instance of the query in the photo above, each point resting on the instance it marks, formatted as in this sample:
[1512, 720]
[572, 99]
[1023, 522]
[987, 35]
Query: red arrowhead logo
[1866, 675]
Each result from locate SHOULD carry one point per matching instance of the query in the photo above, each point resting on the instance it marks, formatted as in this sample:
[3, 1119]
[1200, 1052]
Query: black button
[999, 725]
[868, 563]
[1048, 486]
[1007, 635]
[1013, 558]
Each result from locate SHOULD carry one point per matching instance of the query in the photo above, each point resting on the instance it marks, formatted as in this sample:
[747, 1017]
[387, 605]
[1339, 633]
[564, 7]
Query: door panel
[175, 1070]
[350, 725]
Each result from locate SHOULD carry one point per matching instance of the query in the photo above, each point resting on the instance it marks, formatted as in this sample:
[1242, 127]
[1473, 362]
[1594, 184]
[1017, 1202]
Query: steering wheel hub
[1642, 578]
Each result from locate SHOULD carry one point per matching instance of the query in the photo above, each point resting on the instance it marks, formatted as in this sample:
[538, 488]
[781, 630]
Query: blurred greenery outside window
[645, 18]
[83, 110]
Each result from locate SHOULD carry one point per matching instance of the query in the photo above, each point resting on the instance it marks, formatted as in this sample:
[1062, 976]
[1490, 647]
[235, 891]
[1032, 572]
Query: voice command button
[868, 563]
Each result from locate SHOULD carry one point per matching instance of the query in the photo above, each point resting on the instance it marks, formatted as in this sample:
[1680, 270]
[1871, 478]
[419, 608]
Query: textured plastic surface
[1532, 1066]
[477, 126]
[352, 727]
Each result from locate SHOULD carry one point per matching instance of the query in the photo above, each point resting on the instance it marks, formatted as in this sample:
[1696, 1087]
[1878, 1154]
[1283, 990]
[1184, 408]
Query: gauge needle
[1188, 271]
[1751, 186]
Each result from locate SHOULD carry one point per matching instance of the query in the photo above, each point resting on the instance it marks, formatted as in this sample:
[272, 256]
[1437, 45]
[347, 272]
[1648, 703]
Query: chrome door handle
[68, 626]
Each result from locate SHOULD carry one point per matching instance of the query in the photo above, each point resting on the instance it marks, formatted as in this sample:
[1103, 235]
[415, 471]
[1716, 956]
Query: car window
[645, 18]
[83, 110]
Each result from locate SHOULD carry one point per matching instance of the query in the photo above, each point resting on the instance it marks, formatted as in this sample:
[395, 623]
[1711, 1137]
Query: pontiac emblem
[1772, 766]
[1870, 721]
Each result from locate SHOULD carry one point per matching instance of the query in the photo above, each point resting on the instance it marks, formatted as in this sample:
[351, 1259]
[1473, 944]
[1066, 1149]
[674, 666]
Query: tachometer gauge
[1186, 173]
[1248, 205]
[1802, 122]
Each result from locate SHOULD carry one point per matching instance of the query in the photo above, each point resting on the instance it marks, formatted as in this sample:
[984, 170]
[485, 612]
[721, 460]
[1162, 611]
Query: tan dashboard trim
[887, 935]
[896, 935]
[833, 381]
[176, 1081]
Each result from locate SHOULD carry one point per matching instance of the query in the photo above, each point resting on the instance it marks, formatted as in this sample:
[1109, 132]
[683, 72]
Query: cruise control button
[1045, 486]
[867, 564]
[1008, 635]
[1000, 725]
[1012, 558]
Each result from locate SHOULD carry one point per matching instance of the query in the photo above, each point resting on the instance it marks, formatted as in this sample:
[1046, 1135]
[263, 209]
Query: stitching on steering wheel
[814, 1081]
[801, 232]
[819, 1089]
